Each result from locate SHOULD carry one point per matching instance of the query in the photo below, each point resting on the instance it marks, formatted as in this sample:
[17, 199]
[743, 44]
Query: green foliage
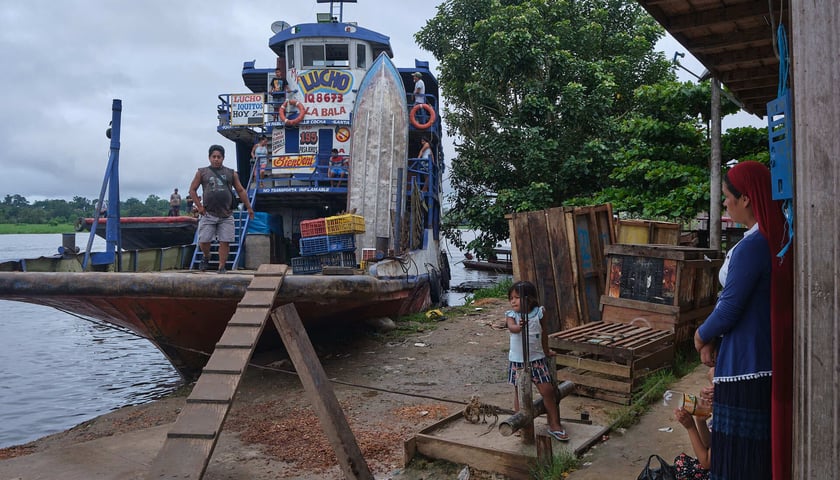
[561, 463]
[534, 90]
[653, 387]
[16, 209]
[17, 228]
[661, 163]
[499, 290]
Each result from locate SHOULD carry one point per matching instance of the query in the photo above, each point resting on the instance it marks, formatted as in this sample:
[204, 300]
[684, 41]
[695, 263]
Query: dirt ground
[390, 387]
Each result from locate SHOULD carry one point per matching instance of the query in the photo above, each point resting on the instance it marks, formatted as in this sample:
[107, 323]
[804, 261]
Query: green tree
[661, 160]
[534, 90]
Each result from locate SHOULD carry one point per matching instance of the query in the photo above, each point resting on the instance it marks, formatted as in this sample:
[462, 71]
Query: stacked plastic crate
[329, 241]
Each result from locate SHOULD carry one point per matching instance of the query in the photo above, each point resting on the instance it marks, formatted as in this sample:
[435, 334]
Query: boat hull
[185, 314]
[149, 232]
[501, 267]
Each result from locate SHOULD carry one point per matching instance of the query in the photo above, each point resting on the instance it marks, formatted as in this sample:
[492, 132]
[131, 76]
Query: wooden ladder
[190, 443]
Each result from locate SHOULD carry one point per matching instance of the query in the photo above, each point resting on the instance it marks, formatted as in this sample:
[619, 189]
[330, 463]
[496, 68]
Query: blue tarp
[263, 224]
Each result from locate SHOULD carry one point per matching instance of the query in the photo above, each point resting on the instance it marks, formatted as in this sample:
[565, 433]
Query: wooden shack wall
[561, 250]
[816, 103]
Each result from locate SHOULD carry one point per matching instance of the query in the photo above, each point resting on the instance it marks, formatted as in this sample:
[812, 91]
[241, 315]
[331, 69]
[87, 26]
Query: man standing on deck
[420, 96]
[174, 204]
[216, 215]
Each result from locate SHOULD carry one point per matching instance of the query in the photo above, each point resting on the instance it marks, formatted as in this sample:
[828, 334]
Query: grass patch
[561, 463]
[653, 387]
[419, 322]
[499, 290]
[19, 228]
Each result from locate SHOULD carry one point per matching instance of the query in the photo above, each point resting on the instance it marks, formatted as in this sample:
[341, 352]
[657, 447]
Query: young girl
[259, 153]
[688, 467]
[537, 349]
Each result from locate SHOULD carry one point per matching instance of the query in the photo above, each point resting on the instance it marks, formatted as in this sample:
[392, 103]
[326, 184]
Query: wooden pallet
[610, 360]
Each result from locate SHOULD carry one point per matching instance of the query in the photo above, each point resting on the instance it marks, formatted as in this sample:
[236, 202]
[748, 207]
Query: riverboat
[499, 262]
[345, 99]
[137, 233]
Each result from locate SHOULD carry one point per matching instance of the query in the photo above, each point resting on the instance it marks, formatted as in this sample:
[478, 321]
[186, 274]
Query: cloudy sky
[65, 61]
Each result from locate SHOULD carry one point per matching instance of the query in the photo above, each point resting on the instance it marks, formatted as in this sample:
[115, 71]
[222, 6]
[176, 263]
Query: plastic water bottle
[692, 404]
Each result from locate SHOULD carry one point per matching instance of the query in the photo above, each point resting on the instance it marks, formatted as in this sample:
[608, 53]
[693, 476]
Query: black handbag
[664, 472]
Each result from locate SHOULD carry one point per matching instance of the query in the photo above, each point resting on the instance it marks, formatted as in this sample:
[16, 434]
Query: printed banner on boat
[278, 141]
[327, 94]
[246, 108]
[293, 164]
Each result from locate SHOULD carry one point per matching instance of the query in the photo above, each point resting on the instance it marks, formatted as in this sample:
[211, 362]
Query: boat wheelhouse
[313, 162]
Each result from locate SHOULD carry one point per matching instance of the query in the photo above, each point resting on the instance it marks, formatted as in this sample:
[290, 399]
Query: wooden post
[816, 105]
[714, 184]
[320, 393]
[544, 450]
[520, 419]
[523, 378]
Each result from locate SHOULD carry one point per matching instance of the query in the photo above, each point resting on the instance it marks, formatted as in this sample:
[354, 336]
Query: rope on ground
[261, 367]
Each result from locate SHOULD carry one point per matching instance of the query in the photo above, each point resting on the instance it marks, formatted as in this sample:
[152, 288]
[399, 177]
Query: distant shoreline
[24, 228]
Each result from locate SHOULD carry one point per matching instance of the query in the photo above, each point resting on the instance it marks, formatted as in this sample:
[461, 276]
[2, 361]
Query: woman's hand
[685, 418]
[698, 341]
[708, 354]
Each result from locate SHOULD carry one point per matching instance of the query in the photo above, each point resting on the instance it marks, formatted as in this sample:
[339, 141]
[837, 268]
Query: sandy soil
[390, 387]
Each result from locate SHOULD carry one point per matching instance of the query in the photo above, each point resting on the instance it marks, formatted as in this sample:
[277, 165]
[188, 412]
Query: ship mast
[340, 8]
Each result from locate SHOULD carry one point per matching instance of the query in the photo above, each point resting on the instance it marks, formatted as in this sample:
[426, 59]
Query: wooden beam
[320, 393]
[720, 17]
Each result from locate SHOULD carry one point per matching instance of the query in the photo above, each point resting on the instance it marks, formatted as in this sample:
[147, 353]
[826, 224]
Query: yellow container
[345, 224]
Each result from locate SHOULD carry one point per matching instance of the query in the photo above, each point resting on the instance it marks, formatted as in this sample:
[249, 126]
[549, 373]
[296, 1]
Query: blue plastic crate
[313, 245]
[341, 243]
[339, 259]
[306, 265]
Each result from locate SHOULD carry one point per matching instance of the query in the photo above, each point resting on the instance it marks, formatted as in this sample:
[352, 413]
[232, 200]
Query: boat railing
[319, 177]
[425, 171]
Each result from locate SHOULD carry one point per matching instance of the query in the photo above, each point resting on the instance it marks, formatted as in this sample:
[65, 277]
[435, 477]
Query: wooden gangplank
[190, 443]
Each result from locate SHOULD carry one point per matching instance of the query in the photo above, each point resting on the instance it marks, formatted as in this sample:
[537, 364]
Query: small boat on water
[500, 262]
[345, 99]
[147, 232]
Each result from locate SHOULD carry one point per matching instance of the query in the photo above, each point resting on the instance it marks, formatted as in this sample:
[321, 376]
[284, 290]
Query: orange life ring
[296, 120]
[412, 116]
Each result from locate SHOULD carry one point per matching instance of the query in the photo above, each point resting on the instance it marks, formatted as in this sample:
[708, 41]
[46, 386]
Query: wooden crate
[648, 232]
[561, 250]
[610, 360]
[661, 286]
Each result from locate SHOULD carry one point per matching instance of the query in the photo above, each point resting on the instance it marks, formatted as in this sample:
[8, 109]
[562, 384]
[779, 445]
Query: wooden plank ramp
[190, 443]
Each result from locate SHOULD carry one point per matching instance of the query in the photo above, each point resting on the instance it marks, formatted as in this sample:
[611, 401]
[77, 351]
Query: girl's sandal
[559, 435]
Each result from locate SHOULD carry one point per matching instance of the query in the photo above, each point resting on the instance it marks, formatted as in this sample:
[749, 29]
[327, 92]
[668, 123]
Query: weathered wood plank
[568, 310]
[609, 368]
[227, 360]
[581, 379]
[214, 388]
[513, 465]
[199, 420]
[248, 317]
[236, 336]
[257, 299]
[181, 458]
[320, 393]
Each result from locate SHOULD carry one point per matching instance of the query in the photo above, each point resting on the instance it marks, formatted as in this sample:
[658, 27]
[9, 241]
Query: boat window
[290, 56]
[361, 56]
[330, 55]
[338, 55]
[313, 55]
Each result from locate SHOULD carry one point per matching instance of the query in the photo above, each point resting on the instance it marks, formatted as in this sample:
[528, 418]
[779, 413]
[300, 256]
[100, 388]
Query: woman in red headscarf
[752, 325]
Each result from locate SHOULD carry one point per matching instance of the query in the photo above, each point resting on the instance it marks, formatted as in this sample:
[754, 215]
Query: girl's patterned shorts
[539, 371]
